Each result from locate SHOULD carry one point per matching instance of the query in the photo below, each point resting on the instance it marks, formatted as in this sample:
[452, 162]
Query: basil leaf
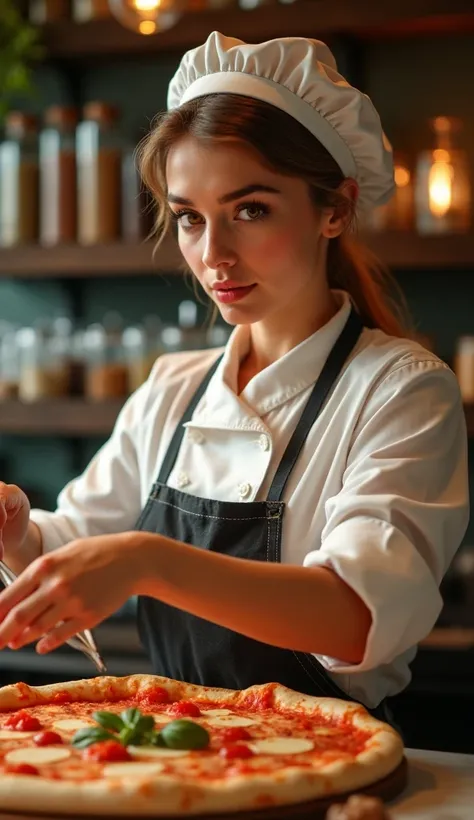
[108, 721]
[156, 739]
[145, 723]
[131, 717]
[85, 737]
[130, 736]
[185, 734]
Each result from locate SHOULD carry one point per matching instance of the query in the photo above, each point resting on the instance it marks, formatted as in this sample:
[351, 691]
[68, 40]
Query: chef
[285, 508]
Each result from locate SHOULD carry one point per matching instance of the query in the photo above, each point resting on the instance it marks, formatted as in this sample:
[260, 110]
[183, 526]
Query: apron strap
[175, 444]
[328, 377]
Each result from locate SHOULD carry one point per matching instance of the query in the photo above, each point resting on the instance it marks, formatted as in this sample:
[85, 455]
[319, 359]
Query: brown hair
[288, 148]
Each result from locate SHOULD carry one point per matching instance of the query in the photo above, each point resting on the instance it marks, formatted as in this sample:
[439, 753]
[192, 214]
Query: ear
[335, 220]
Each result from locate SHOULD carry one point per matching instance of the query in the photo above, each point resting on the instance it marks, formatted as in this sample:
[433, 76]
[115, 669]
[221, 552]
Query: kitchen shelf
[76, 417]
[314, 18]
[76, 261]
[398, 250]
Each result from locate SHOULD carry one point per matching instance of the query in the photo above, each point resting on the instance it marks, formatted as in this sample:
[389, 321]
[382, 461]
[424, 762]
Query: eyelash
[261, 206]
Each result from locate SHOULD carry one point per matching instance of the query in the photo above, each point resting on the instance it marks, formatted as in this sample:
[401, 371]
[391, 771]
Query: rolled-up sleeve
[403, 508]
[106, 497]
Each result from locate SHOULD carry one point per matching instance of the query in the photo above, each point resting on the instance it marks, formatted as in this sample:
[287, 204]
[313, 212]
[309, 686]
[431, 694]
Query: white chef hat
[298, 76]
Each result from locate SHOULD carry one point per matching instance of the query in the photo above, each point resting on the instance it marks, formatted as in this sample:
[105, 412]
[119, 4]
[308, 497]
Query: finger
[29, 581]
[24, 614]
[48, 619]
[62, 633]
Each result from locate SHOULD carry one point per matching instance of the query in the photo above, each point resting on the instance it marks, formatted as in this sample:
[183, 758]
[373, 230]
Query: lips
[232, 293]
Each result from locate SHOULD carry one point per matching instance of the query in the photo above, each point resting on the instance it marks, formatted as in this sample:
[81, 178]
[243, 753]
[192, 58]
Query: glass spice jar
[106, 370]
[19, 175]
[48, 11]
[85, 10]
[58, 190]
[9, 366]
[99, 156]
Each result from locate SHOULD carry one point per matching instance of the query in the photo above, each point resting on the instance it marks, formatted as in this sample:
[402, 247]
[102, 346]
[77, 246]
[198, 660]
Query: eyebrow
[230, 197]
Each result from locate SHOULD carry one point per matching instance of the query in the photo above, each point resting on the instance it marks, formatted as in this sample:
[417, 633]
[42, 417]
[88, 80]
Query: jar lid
[19, 123]
[61, 116]
[101, 112]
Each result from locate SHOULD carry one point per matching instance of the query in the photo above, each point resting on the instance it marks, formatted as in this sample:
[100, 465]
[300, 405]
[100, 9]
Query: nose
[218, 248]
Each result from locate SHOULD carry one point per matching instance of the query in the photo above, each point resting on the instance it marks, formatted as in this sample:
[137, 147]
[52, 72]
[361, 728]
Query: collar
[294, 372]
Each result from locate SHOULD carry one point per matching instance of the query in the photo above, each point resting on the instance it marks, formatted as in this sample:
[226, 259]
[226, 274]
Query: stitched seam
[277, 543]
[316, 683]
[269, 525]
[143, 513]
[204, 515]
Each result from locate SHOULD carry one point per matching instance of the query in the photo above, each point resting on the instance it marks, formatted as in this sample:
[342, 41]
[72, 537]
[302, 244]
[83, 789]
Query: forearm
[299, 608]
[19, 556]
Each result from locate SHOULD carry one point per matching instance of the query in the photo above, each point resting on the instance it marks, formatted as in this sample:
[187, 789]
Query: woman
[303, 491]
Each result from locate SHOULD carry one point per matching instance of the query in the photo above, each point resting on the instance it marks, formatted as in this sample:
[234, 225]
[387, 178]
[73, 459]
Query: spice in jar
[19, 175]
[99, 157]
[106, 370]
[9, 366]
[85, 10]
[58, 190]
[48, 11]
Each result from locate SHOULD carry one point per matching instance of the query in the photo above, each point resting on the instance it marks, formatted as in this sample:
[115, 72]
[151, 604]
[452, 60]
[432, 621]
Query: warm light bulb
[440, 184]
[401, 176]
[146, 5]
[147, 16]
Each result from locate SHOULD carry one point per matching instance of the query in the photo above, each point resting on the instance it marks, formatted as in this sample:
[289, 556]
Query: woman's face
[252, 237]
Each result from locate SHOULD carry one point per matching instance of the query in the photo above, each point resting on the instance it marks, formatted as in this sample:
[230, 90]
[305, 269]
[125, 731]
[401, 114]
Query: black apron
[184, 647]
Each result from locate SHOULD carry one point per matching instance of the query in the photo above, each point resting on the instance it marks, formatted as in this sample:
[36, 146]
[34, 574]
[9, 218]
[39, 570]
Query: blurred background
[85, 308]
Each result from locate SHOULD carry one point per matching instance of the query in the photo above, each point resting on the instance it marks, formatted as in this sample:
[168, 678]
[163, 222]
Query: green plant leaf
[85, 737]
[108, 720]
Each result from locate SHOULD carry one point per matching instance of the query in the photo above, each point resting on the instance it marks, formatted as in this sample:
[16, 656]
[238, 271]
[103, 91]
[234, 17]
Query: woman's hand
[14, 517]
[68, 590]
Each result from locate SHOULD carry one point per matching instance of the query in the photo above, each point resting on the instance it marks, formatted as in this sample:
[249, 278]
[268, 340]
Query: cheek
[192, 254]
[276, 248]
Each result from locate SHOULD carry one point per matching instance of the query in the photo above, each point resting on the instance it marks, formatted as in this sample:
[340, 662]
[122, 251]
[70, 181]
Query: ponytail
[375, 293]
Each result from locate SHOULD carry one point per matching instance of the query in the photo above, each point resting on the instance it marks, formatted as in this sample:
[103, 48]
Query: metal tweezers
[83, 641]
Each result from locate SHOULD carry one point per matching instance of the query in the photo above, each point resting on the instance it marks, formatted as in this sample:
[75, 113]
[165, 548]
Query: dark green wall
[409, 82]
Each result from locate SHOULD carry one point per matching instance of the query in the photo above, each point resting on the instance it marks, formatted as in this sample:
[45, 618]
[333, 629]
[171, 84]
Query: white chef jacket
[379, 493]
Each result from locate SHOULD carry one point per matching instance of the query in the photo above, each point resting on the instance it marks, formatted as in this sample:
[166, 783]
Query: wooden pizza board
[387, 789]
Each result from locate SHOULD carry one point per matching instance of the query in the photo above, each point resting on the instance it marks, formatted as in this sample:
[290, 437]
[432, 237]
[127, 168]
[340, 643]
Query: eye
[253, 211]
[187, 219]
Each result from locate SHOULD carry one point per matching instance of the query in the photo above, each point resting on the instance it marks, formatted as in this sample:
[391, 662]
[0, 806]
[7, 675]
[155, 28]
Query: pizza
[148, 745]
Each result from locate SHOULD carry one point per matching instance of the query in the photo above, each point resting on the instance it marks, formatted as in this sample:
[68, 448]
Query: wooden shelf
[59, 417]
[81, 418]
[399, 250]
[313, 18]
[118, 259]
[410, 250]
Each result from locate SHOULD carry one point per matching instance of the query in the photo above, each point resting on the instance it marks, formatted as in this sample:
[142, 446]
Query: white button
[196, 437]
[183, 480]
[263, 442]
[244, 490]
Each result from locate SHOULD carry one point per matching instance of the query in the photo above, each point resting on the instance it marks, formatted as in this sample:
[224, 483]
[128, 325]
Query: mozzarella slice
[230, 720]
[163, 718]
[71, 724]
[320, 730]
[281, 745]
[36, 756]
[131, 769]
[216, 712]
[11, 734]
[155, 751]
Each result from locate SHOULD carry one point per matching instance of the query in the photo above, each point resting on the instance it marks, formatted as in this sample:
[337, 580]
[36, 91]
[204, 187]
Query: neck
[277, 335]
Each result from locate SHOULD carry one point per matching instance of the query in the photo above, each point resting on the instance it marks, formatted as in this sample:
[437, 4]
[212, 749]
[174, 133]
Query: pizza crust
[170, 795]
